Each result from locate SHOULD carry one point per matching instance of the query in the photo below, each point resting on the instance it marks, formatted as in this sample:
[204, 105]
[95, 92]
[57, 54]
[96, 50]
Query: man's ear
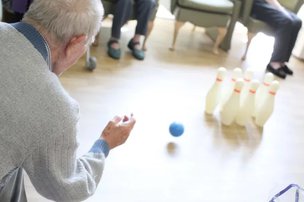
[76, 46]
[70, 53]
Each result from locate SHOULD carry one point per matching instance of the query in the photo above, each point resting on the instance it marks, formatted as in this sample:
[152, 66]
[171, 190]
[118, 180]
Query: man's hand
[118, 130]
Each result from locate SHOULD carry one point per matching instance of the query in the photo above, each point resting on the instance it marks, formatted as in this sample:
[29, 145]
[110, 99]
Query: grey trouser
[286, 28]
[12, 187]
[123, 10]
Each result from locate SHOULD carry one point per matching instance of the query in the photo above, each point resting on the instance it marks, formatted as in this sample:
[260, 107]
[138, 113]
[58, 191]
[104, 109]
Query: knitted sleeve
[58, 175]
[53, 167]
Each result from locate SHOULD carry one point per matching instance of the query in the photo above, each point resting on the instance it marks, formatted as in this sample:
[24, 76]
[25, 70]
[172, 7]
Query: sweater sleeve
[53, 167]
[58, 175]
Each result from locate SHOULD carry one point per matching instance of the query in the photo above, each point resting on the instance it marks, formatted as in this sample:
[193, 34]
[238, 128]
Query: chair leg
[249, 37]
[221, 34]
[177, 26]
[193, 29]
[96, 40]
[149, 30]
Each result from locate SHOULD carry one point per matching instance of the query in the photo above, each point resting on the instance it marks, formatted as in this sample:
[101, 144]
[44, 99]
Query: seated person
[286, 27]
[143, 10]
[13, 10]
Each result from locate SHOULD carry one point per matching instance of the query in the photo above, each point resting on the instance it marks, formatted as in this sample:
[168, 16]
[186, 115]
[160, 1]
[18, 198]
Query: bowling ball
[176, 129]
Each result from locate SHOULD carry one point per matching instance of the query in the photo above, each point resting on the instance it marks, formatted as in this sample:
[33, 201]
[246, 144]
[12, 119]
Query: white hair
[64, 19]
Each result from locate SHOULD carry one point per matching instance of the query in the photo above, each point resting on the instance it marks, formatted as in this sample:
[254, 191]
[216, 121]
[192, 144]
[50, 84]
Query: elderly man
[38, 119]
[286, 26]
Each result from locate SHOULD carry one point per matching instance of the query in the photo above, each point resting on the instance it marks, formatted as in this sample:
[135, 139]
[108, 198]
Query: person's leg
[296, 26]
[282, 24]
[13, 189]
[122, 13]
[143, 10]
[10, 17]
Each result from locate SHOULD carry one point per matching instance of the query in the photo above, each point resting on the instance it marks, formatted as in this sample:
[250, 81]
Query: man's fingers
[129, 123]
[125, 118]
[116, 119]
[118, 130]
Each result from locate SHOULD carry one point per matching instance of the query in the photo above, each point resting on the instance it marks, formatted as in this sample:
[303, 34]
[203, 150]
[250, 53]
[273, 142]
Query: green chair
[255, 26]
[219, 14]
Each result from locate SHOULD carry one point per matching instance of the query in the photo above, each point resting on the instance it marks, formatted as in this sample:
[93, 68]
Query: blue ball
[176, 129]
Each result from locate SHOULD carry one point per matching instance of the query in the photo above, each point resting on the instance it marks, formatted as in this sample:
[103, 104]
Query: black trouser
[123, 9]
[11, 17]
[286, 28]
[13, 190]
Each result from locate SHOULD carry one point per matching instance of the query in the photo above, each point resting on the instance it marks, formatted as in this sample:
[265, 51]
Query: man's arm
[57, 174]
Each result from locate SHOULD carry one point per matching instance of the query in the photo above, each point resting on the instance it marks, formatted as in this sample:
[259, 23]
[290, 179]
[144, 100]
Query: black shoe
[137, 53]
[287, 70]
[278, 72]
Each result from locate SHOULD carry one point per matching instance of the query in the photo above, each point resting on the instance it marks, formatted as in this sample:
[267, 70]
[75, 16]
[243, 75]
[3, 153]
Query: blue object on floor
[176, 129]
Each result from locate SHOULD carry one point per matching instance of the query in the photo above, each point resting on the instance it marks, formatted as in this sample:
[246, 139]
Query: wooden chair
[221, 14]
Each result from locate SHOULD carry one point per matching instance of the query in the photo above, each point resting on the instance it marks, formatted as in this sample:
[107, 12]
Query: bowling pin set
[242, 98]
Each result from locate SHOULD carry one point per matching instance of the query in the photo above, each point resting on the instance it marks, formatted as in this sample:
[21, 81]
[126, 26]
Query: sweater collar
[36, 39]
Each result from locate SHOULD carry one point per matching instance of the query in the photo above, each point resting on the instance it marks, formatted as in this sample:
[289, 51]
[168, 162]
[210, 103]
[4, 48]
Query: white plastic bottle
[262, 91]
[236, 74]
[231, 107]
[247, 105]
[265, 108]
[248, 75]
[213, 95]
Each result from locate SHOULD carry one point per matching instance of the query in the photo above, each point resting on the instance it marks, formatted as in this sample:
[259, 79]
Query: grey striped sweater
[38, 124]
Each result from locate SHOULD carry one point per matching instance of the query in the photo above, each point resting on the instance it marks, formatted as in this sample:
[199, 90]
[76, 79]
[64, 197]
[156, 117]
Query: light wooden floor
[209, 162]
